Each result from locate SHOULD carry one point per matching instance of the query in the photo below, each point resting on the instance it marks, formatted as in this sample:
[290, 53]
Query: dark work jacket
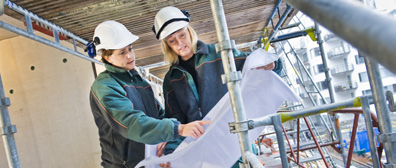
[128, 116]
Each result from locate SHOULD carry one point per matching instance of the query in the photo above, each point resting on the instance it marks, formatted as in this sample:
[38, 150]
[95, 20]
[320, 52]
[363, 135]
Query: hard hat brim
[171, 28]
[128, 40]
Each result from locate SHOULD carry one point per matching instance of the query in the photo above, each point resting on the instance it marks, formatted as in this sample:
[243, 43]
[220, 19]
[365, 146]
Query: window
[359, 59]
[315, 52]
[304, 57]
[366, 92]
[363, 77]
[352, 95]
[319, 69]
[322, 85]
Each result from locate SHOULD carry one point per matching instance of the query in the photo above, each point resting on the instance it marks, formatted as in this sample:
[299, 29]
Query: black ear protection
[185, 12]
[90, 47]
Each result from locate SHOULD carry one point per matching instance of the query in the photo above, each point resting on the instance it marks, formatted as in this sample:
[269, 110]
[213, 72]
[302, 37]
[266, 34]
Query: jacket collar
[114, 69]
[202, 48]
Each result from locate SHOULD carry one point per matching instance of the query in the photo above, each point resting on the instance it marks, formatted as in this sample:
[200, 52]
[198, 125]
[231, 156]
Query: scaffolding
[331, 14]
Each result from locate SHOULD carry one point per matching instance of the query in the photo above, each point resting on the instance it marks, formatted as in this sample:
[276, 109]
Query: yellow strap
[311, 33]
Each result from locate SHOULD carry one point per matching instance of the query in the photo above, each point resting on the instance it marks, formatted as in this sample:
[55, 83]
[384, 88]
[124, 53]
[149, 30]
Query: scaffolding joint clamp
[225, 45]
[386, 137]
[5, 102]
[391, 102]
[240, 126]
[231, 77]
[7, 130]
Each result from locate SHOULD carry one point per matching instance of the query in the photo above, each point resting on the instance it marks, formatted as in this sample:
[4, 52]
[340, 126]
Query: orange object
[46, 30]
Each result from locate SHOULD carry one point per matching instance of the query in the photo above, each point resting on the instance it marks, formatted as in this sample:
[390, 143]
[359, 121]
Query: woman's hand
[161, 148]
[160, 152]
[165, 165]
[267, 67]
[193, 129]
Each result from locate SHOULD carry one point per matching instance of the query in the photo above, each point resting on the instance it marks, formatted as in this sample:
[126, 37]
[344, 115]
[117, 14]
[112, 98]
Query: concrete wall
[49, 106]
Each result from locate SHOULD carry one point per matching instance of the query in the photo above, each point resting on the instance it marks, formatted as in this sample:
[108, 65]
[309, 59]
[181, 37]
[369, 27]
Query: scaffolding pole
[336, 122]
[280, 22]
[373, 36]
[386, 136]
[370, 132]
[385, 125]
[364, 28]
[7, 130]
[231, 77]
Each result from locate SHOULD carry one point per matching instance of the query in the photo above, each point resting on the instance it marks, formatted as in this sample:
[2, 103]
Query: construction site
[337, 56]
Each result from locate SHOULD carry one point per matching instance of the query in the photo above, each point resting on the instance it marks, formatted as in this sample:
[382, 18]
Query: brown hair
[106, 53]
[170, 56]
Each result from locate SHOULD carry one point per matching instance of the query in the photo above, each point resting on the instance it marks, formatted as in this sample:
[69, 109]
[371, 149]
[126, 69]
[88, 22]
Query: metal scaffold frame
[6, 129]
[380, 52]
[376, 42]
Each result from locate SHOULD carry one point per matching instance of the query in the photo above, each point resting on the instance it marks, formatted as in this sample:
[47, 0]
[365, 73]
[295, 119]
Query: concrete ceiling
[245, 18]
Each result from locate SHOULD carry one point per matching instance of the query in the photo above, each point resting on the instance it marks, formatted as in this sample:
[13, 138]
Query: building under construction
[45, 77]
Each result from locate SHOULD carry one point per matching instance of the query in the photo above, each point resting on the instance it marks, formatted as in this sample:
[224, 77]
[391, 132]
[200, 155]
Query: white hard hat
[168, 20]
[112, 35]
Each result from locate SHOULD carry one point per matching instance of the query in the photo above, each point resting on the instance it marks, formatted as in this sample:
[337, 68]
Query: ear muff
[96, 41]
[185, 12]
[153, 29]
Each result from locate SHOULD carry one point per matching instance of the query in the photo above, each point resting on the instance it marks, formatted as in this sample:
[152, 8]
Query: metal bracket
[225, 45]
[386, 137]
[236, 127]
[231, 77]
[391, 102]
[8, 130]
[5, 101]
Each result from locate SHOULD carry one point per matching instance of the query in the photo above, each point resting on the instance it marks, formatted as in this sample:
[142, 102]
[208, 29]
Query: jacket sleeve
[278, 67]
[118, 112]
[160, 109]
[172, 145]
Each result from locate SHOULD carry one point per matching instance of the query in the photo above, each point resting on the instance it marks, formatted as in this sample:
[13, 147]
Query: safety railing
[345, 86]
[339, 51]
[342, 69]
[277, 119]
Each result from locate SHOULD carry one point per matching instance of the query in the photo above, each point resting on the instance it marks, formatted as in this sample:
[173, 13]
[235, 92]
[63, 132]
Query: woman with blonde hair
[193, 84]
